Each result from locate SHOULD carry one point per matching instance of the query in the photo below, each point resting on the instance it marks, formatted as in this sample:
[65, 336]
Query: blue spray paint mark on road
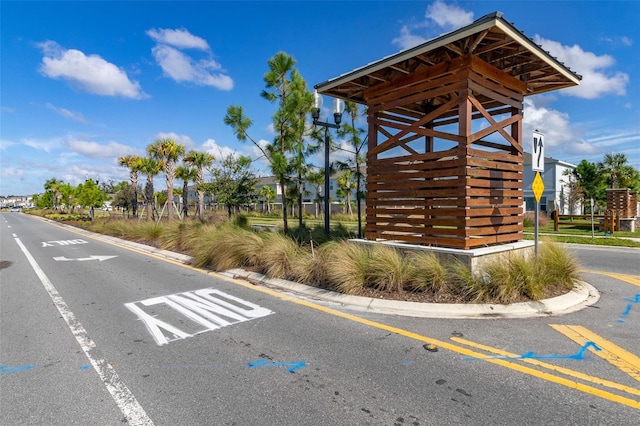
[4, 369]
[636, 300]
[264, 362]
[629, 306]
[625, 313]
[531, 355]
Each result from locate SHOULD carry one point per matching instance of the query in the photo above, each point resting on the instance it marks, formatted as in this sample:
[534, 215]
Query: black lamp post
[337, 107]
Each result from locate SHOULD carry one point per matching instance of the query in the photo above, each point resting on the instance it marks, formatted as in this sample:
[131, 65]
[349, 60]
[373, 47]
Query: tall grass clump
[179, 235]
[520, 277]
[345, 265]
[463, 282]
[281, 256]
[557, 266]
[388, 270]
[507, 280]
[227, 246]
[147, 231]
[116, 227]
[428, 273]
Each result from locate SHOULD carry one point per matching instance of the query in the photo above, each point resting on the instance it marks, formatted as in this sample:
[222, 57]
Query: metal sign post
[592, 230]
[537, 165]
[538, 188]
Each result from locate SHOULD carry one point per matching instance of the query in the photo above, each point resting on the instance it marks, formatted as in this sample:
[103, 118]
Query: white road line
[126, 402]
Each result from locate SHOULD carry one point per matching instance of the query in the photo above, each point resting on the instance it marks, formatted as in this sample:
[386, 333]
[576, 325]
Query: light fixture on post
[337, 107]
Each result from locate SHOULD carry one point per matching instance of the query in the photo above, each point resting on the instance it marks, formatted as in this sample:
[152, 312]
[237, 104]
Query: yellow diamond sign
[537, 186]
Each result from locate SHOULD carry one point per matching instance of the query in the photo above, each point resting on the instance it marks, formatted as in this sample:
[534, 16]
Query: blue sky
[83, 83]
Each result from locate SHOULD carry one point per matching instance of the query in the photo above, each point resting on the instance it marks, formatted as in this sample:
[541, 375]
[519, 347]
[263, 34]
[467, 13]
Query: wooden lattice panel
[469, 192]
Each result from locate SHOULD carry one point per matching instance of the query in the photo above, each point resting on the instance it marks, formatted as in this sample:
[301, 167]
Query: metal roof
[490, 38]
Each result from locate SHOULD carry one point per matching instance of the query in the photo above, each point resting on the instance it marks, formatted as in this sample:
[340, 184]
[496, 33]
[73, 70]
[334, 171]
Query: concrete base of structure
[629, 224]
[473, 258]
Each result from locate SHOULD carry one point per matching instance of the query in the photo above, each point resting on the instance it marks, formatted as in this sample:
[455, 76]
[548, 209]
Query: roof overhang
[490, 38]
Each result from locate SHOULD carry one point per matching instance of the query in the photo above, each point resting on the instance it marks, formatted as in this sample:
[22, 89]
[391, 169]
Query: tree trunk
[299, 200]
[284, 206]
[201, 205]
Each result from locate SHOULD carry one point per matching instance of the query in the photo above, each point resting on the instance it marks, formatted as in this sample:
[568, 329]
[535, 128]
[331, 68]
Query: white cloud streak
[182, 67]
[97, 150]
[180, 38]
[76, 116]
[89, 73]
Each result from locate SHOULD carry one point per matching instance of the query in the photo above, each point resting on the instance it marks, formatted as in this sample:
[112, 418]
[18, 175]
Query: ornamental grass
[354, 268]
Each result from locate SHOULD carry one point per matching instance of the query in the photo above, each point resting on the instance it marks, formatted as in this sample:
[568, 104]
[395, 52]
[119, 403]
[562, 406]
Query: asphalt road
[96, 334]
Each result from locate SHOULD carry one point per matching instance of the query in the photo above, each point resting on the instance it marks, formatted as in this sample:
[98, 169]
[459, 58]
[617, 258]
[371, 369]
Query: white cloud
[182, 67]
[439, 16]
[218, 151]
[6, 143]
[96, 150]
[11, 172]
[554, 124]
[181, 139]
[448, 16]
[180, 38]
[46, 145]
[76, 116]
[561, 137]
[407, 40]
[90, 73]
[595, 81]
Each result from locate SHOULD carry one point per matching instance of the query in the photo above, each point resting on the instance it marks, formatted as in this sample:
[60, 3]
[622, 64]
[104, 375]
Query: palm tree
[167, 151]
[357, 146]
[346, 184]
[54, 186]
[613, 167]
[132, 162]
[269, 194]
[150, 167]
[200, 160]
[187, 174]
[316, 178]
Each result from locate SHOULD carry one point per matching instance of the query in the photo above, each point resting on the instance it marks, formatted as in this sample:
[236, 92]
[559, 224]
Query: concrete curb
[580, 297]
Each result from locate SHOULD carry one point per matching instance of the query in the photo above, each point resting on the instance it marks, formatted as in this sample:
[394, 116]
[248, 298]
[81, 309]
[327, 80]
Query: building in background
[557, 194]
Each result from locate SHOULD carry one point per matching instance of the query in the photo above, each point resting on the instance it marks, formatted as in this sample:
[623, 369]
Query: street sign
[537, 152]
[537, 186]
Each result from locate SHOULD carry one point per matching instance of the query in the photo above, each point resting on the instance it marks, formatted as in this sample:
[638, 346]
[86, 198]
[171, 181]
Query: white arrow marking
[82, 259]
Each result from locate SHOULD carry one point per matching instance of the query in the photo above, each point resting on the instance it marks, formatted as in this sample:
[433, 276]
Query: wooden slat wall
[464, 197]
[624, 201]
[447, 203]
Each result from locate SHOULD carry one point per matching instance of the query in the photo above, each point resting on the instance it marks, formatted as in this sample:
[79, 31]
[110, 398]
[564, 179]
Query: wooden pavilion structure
[445, 157]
